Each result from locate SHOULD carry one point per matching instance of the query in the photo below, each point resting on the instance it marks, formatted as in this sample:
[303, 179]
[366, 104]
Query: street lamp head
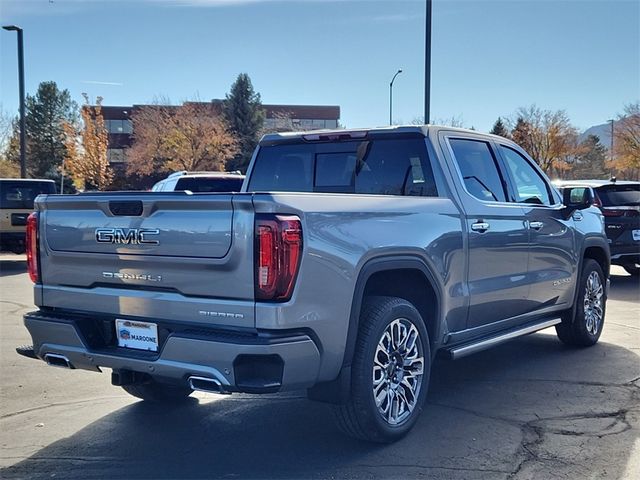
[12, 28]
[394, 77]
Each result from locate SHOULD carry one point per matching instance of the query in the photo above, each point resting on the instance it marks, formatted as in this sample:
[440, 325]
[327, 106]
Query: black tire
[155, 392]
[574, 329]
[360, 417]
[632, 270]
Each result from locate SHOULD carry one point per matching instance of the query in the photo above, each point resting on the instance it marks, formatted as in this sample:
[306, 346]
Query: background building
[278, 117]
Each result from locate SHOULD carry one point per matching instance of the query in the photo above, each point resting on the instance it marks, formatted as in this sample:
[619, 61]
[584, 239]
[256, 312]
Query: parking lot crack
[477, 413]
[433, 467]
[57, 404]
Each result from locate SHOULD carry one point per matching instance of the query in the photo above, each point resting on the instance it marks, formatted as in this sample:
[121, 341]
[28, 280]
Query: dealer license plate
[636, 235]
[138, 335]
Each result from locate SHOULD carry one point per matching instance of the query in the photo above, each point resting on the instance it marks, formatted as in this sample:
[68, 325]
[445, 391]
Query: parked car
[16, 203]
[348, 261]
[620, 205]
[198, 182]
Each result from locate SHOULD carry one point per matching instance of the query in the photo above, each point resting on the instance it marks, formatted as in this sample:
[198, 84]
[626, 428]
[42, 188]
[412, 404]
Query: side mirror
[577, 198]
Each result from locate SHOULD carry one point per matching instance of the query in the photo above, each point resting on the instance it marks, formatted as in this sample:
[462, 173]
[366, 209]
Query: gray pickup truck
[346, 263]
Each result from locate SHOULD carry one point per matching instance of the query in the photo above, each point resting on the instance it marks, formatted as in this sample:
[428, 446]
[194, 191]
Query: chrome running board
[483, 344]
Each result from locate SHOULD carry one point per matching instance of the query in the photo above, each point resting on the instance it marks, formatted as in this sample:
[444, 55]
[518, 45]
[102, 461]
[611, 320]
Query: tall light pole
[391, 96]
[427, 65]
[23, 164]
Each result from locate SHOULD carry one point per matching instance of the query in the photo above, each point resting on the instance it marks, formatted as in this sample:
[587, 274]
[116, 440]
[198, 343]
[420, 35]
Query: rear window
[377, 167]
[479, 169]
[16, 194]
[620, 195]
[209, 184]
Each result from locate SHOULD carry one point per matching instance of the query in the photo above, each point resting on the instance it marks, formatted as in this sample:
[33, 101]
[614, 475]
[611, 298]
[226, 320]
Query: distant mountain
[603, 132]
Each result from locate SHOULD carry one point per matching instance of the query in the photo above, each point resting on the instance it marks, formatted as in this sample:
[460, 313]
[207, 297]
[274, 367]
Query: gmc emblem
[127, 236]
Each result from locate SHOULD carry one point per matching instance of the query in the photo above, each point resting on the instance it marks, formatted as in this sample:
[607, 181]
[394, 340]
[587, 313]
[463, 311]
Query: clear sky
[489, 57]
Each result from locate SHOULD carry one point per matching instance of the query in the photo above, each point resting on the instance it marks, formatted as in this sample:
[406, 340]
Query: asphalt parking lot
[528, 409]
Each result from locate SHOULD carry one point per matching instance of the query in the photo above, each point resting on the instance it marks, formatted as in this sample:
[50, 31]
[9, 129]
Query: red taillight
[278, 252]
[597, 202]
[31, 243]
[612, 212]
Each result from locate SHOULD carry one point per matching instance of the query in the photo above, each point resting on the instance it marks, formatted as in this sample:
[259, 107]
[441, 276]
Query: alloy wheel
[398, 369]
[593, 303]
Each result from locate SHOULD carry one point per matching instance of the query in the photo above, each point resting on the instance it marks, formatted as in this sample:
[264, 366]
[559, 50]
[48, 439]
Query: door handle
[536, 225]
[480, 227]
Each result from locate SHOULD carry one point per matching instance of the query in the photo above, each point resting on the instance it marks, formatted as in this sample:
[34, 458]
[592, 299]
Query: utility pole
[23, 162]
[427, 65]
[611, 151]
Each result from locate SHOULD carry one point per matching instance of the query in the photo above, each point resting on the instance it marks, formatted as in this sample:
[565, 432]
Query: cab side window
[479, 169]
[530, 186]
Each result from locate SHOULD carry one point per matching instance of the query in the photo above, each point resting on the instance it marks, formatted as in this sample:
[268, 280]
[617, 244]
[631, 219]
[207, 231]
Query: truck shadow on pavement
[530, 407]
[624, 287]
[14, 266]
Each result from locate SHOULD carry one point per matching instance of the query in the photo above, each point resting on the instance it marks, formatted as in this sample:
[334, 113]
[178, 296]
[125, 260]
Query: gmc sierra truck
[346, 263]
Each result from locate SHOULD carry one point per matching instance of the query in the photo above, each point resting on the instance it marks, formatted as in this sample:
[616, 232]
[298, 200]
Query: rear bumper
[237, 362]
[626, 257]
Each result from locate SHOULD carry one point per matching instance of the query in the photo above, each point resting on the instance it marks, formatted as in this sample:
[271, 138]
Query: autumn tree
[188, 137]
[6, 129]
[86, 149]
[242, 109]
[590, 161]
[547, 136]
[626, 140]
[9, 148]
[500, 129]
[46, 112]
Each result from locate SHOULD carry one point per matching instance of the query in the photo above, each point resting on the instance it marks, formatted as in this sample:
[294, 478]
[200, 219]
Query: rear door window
[391, 166]
[20, 195]
[479, 169]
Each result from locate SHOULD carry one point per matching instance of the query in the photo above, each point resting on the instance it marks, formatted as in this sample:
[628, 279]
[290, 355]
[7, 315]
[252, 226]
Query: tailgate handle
[132, 208]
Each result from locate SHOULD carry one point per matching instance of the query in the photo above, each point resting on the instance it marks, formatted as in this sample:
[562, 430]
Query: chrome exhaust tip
[205, 384]
[56, 360]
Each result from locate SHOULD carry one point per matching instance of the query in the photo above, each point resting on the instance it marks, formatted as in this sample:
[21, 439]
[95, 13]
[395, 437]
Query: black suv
[620, 205]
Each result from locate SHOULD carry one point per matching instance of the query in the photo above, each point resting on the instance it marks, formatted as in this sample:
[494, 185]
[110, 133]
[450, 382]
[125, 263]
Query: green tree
[47, 111]
[521, 132]
[590, 161]
[500, 129]
[243, 112]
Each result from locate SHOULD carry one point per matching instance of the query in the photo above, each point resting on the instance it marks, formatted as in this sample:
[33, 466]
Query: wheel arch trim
[381, 264]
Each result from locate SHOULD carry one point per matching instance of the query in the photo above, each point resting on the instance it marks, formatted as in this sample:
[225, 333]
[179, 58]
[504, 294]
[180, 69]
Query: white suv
[198, 182]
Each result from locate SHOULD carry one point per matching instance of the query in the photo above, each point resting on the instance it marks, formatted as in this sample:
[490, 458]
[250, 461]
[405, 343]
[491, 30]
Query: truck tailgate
[172, 255]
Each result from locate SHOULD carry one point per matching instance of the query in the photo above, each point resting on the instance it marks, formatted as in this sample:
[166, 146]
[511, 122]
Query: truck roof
[356, 133]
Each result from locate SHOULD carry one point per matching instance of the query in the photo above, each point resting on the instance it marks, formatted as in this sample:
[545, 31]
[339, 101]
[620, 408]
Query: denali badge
[133, 276]
[126, 236]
